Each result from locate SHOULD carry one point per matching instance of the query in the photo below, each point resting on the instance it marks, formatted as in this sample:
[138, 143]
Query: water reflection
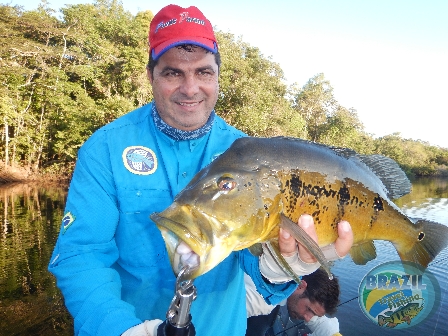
[428, 200]
[31, 304]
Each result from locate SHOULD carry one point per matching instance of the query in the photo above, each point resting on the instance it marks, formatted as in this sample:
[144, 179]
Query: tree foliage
[415, 157]
[315, 103]
[252, 96]
[63, 78]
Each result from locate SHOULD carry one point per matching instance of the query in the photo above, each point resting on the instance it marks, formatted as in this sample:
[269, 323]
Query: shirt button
[184, 174]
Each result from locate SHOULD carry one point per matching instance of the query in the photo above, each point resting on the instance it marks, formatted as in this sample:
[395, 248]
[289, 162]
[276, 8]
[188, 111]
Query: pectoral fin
[302, 237]
[274, 250]
[362, 253]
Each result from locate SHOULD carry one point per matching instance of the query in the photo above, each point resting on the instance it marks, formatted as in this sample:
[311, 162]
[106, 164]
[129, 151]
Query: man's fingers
[307, 224]
[344, 241]
[340, 248]
[287, 243]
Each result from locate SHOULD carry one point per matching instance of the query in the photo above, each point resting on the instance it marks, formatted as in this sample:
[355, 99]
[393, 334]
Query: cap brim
[199, 41]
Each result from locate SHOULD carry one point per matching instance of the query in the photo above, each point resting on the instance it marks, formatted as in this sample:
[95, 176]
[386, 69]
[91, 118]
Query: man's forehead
[317, 308]
[182, 57]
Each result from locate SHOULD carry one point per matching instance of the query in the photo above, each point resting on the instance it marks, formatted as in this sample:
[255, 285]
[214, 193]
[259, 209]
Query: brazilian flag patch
[67, 221]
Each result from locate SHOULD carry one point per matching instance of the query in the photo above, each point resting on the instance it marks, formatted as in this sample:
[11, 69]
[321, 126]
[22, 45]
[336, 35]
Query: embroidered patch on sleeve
[139, 160]
[67, 221]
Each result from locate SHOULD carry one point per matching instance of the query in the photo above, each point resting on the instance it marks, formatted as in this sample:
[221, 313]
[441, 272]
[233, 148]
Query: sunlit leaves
[63, 76]
[252, 96]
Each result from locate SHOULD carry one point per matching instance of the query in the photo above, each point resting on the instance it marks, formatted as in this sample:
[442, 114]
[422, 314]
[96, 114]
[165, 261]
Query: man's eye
[171, 74]
[206, 73]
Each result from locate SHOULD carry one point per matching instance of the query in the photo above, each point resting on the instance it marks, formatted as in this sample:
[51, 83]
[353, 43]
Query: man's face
[185, 87]
[301, 308]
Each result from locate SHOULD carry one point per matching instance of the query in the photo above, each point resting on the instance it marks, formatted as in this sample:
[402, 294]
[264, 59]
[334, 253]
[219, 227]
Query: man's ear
[302, 287]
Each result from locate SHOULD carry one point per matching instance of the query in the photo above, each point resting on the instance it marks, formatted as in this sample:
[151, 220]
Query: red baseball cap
[174, 25]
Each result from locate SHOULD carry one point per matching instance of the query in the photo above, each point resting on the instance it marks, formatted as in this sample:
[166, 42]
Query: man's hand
[298, 257]
[288, 245]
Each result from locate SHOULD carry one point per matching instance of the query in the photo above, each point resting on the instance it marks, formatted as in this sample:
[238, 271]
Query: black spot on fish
[344, 195]
[330, 192]
[378, 204]
[343, 198]
[295, 184]
[421, 236]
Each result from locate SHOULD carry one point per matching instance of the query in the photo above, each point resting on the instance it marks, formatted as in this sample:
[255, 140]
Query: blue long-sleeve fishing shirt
[110, 260]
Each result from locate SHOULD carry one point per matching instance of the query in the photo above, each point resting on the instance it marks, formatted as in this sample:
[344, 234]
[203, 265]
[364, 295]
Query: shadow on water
[31, 304]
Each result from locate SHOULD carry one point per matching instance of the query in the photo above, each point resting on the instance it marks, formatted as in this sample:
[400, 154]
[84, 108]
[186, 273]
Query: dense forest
[64, 75]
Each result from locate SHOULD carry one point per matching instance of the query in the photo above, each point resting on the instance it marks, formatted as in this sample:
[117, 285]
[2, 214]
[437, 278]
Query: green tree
[391, 146]
[342, 128]
[63, 78]
[75, 75]
[315, 102]
[252, 91]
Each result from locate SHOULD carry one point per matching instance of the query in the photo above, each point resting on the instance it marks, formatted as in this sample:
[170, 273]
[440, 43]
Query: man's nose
[308, 317]
[189, 85]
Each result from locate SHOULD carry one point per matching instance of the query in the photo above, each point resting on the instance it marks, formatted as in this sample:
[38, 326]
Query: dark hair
[322, 290]
[188, 47]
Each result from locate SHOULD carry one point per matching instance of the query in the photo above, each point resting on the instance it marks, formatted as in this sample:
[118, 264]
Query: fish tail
[431, 238]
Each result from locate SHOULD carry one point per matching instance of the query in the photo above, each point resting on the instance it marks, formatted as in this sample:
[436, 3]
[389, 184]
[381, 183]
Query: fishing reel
[178, 317]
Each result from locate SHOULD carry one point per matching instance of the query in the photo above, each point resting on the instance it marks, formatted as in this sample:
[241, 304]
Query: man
[110, 260]
[302, 313]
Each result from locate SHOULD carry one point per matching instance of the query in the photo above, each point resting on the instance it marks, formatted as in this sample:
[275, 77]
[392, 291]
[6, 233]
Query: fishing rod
[178, 317]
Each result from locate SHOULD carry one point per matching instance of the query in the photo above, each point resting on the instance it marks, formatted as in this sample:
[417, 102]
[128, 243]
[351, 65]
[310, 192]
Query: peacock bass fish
[242, 197]
[404, 314]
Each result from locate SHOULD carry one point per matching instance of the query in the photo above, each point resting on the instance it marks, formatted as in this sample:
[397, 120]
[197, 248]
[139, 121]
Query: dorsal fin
[390, 173]
[345, 152]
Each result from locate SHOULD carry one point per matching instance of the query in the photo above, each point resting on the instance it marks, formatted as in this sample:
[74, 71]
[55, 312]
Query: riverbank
[10, 174]
[22, 175]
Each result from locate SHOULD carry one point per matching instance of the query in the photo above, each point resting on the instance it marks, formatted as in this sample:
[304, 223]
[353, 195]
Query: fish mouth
[186, 242]
[191, 239]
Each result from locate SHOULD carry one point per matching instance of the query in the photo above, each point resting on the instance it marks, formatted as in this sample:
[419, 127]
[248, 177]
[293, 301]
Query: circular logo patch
[398, 295]
[140, 160]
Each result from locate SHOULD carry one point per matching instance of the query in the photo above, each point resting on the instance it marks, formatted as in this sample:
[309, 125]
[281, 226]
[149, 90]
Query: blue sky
[388, 59]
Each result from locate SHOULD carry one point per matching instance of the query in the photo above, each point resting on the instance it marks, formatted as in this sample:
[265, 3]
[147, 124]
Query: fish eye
[226, 184]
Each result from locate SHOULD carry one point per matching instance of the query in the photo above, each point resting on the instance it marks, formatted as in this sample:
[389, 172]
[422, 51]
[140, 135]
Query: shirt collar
[177, 134]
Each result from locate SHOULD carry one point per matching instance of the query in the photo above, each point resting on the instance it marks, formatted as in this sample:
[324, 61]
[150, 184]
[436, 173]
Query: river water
[31, 304]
